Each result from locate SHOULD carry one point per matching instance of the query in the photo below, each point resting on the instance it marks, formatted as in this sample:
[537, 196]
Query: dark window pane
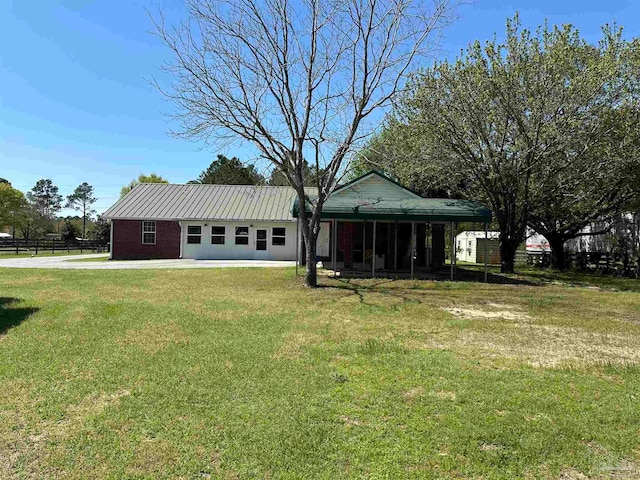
[149, 238]
[242, 240]
[217, 240]
[194, 230]
[261, 234]
[279, 232]
[193, 239]
[261, 245]
[217, 230]
[242, 230]
[278, 241]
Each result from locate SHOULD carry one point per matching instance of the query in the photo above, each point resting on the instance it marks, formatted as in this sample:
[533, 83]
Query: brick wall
[127, 240]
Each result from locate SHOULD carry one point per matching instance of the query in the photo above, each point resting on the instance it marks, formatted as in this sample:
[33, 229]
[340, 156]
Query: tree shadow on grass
[465, 279]
[10, 316]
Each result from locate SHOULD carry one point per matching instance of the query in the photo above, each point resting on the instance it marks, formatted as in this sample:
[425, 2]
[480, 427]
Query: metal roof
[162, 201]
[374, 196]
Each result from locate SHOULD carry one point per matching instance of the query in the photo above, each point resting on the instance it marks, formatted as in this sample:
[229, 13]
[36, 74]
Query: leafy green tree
[12, 202]
[531, 126]
[590, 181]
[44, 196]
[31, 223]
[69, 231]
[230, 171]
[142, 178]
[101, 231]
[81, 199]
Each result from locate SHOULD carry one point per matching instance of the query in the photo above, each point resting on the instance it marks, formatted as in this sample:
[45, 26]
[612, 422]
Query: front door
[262, 251]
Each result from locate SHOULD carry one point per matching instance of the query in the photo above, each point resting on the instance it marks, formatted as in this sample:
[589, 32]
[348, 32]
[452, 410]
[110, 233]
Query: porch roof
[376, 197]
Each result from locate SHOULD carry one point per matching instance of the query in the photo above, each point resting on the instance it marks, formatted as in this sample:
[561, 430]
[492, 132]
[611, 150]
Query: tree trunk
[507, 256]
[310, 227]
[311, 277]
[557, 252]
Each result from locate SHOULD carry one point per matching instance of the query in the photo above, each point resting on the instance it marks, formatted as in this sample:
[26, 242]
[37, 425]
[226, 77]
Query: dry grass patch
[292, 347]
[154, 457]
[489, 311]
[153, 338]
[553, 346]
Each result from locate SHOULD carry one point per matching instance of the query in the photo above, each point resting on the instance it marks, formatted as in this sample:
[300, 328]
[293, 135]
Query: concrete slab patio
[63, 262]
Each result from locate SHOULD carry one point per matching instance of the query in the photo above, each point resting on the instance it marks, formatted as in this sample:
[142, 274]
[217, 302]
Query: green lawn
[42, 253]
[244, 373]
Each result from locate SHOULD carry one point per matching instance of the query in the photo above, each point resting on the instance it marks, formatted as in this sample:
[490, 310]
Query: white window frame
[148, 224]
[243, 235]
[199, 235]
[222, 235]
[274, 236]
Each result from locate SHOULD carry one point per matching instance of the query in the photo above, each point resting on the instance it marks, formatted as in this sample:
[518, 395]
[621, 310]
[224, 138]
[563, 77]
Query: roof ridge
[214, 185]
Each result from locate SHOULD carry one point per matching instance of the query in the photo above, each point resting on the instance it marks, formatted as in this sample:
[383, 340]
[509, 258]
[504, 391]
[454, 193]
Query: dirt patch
[154, 338]
[489, 311]
[410, 395]
[489, 447]
[350, 422]
[572, 474]
[444, 395]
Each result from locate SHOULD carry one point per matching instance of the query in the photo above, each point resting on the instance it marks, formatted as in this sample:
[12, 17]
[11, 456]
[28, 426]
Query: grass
[243, 373]
[42, 253]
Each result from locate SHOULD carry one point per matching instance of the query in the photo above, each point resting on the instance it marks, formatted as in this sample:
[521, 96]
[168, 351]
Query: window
[217, 235]
[194, 234]
[242, 235]
[149, 233]
[278, 236]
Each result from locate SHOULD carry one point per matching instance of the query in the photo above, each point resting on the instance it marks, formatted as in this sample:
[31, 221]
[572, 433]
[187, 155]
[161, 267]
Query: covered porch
[375, 227]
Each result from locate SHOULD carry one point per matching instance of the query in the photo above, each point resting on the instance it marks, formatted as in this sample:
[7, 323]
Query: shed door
[493, 251]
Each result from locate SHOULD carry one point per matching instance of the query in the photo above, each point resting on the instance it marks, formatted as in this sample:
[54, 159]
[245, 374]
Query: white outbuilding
[470, 246]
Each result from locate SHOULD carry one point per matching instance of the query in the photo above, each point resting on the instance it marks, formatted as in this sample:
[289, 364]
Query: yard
[243, 373]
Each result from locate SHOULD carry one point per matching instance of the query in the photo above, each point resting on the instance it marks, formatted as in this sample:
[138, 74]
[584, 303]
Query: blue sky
[75, 104]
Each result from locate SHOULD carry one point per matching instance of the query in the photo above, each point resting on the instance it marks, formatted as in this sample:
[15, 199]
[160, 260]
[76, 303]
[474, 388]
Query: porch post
[334, 248]
[373, 256]
[413, 246]
[297, 243]
[364, 244]
[452, 250]
[486, 236]
[395, 247]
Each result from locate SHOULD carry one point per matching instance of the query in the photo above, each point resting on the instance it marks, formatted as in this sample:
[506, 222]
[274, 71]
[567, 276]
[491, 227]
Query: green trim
[408, 217]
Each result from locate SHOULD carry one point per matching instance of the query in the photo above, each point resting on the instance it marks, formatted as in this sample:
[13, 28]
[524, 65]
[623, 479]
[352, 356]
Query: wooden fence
[19, 245]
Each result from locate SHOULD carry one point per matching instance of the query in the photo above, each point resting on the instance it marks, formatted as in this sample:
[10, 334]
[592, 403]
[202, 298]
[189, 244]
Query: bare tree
[298, 80]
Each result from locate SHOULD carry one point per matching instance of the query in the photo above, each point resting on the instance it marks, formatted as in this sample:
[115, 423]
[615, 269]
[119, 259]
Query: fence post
[81, 246]
[53, 247]
[37, 243]
[68, 250]
[17, 251]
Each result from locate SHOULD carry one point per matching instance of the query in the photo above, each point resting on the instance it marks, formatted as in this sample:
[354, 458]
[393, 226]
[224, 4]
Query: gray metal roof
[163, 201]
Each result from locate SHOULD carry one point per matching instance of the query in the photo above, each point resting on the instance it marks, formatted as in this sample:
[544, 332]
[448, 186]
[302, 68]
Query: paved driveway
[62, 261]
